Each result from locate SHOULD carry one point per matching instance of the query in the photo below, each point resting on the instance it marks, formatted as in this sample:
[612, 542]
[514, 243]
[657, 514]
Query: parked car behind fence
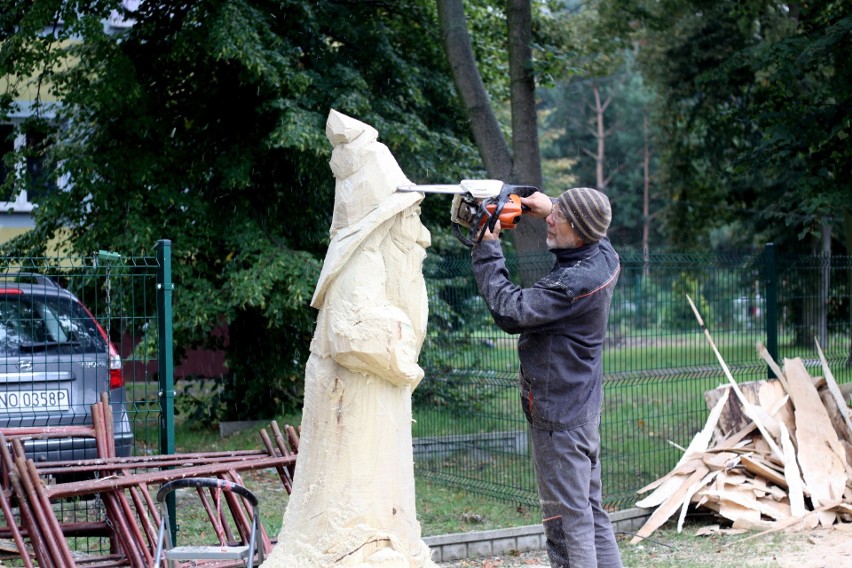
[55, 361]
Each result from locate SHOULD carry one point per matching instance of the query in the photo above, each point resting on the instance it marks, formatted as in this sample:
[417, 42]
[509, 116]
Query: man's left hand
[492, 236]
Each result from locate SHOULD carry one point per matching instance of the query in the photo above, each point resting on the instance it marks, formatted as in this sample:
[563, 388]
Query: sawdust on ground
[818, 548]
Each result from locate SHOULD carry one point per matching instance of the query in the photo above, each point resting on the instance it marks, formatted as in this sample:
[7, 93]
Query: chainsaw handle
[494, 208]
[521, 191]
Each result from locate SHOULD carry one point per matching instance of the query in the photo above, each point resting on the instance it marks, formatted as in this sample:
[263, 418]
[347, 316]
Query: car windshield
[46, 323]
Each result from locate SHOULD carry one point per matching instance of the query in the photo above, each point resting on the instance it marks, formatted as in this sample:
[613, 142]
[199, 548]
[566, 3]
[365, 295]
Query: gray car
[55, 361]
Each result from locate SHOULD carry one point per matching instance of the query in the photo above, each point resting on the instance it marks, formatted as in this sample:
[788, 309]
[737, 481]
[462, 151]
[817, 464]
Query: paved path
[536, 559]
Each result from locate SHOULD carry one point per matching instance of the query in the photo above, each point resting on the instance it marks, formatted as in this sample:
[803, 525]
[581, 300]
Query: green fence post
[771, 303]
[165, 361]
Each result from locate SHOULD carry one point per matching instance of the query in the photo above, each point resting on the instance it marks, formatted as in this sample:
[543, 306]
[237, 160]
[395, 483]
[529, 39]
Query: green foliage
[572, 122]
[456, 310]
[753, 99]
[203, 123]
[677, 313]
[597, 58]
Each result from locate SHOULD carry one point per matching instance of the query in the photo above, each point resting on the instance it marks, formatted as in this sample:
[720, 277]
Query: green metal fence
[469, 428]
[122, 294]
[59, 352]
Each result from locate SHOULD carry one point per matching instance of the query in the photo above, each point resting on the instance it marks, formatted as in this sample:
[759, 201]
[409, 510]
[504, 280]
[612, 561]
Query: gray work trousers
[578, 531]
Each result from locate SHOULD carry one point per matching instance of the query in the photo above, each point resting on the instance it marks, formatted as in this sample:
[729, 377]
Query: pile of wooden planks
[773, 455]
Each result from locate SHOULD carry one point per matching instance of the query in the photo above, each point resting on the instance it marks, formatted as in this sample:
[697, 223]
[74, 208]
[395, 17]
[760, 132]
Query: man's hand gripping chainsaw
[479, 203]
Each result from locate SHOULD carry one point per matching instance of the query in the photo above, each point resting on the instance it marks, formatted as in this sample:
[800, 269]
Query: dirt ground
[819, 548]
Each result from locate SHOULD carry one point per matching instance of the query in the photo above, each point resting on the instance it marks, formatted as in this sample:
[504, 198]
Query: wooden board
[759, 468]
[689, 494]
[764, 354]
[840, 403]
[700, 443]
[665, 486]
[839, 426]
[820, 455]
[744, 497]
[774, 399]
[792, 476]
[669, 506]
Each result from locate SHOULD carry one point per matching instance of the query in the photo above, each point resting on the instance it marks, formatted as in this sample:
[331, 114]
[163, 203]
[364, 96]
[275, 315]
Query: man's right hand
[539, 205]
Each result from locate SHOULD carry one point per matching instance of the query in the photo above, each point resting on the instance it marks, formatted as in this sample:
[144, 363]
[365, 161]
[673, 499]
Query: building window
[40, 183]
[7, 156]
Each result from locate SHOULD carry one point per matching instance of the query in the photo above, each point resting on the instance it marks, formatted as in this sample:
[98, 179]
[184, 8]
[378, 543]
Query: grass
[441, 508]
[643, 415]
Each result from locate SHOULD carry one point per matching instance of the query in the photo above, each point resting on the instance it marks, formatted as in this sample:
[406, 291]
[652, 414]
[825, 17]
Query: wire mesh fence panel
[658, 364]
[74, 330]
[71, 329]
[466, 429]
[814, 305]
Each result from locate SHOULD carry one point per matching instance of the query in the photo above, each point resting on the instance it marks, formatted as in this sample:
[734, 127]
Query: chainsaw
[478, 204]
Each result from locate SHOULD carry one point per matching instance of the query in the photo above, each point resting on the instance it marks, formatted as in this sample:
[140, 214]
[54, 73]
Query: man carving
[353, 494]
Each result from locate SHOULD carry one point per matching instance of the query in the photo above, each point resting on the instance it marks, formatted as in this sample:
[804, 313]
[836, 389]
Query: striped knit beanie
[588, 211]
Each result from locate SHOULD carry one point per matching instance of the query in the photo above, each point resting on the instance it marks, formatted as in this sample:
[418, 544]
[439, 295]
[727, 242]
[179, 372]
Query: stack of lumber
[42, 513]
[773, 455]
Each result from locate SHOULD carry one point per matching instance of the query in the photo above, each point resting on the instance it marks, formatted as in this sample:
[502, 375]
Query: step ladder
[168, 555]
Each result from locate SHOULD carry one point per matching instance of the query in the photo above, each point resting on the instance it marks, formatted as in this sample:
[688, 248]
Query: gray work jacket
[562, 322]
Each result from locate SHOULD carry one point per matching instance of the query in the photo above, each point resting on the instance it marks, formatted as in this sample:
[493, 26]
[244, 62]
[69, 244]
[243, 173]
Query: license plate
[35, 401]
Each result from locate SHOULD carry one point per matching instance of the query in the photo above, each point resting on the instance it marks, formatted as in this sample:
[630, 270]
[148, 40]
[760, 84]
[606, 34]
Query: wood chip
[688, 497]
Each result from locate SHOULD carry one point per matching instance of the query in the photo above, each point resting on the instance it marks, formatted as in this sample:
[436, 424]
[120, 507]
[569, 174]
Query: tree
[522, 164]
[596, 112]
[204, 123]
[753, 98]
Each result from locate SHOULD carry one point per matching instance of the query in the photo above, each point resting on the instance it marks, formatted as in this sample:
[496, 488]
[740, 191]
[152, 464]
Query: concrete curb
[498, 542]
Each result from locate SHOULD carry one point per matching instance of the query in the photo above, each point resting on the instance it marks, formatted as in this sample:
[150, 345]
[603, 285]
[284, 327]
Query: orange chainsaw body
[511, 213]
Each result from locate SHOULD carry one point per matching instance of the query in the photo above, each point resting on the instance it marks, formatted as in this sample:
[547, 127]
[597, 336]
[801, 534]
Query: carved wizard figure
[353, 495]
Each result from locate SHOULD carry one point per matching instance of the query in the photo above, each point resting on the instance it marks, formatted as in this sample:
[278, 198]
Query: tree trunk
[600, 136]
[525, 166]
[531, 234]
[486, 130]
[824, 284]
